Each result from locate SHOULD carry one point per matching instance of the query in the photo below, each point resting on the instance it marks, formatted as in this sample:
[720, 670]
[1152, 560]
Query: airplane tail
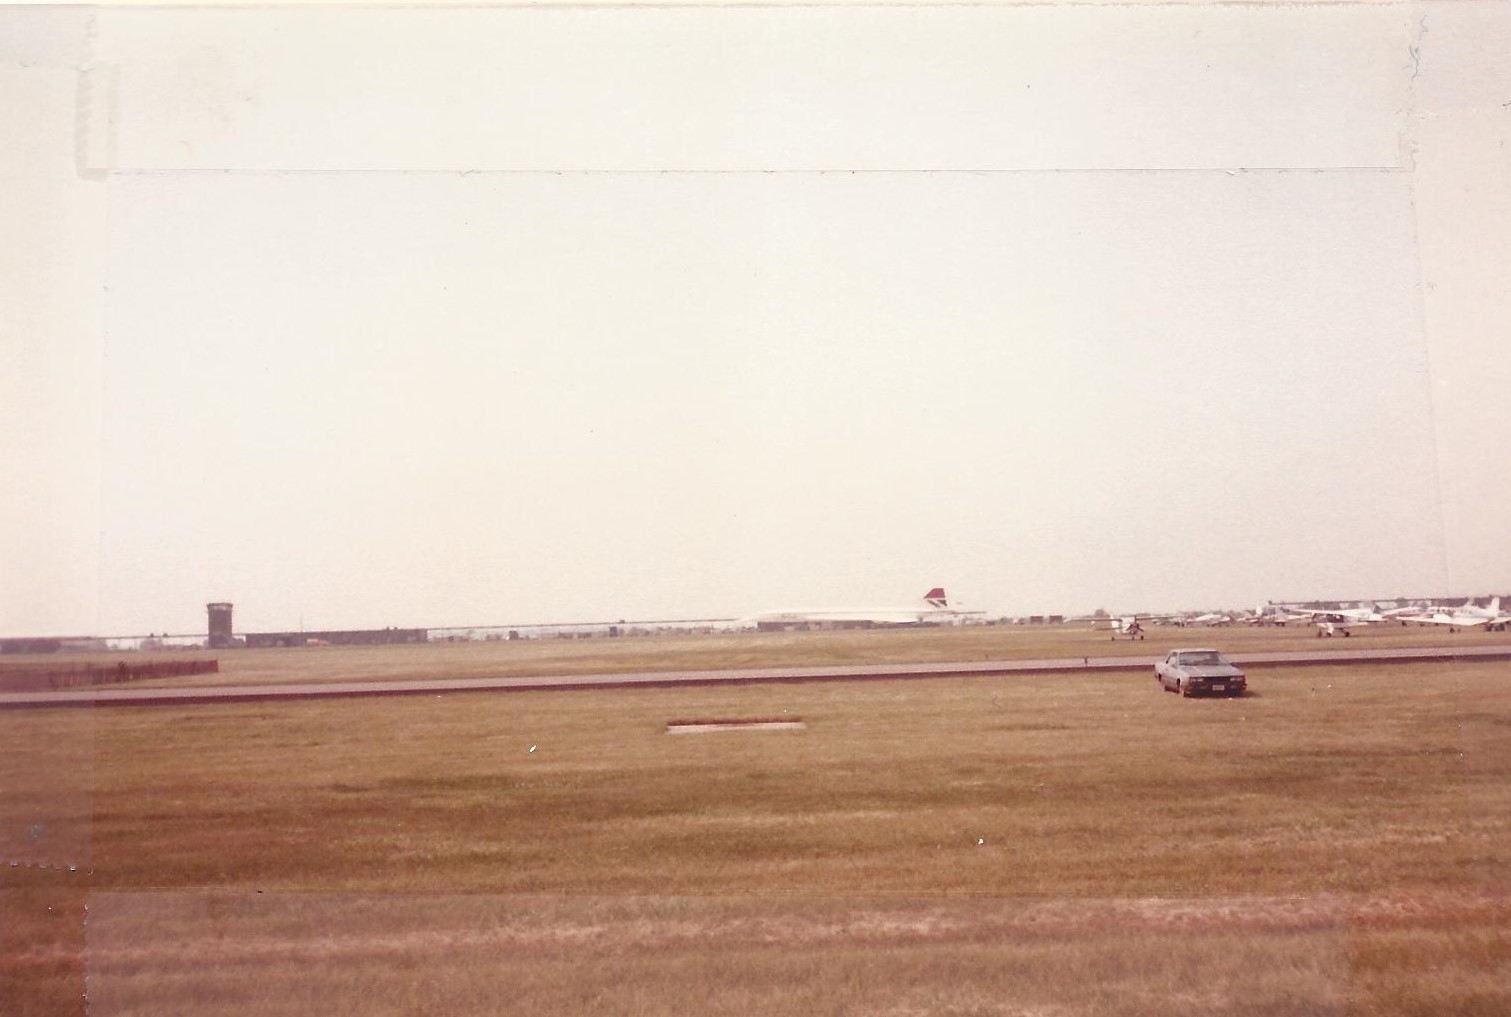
[936, 598]
[1494, 607]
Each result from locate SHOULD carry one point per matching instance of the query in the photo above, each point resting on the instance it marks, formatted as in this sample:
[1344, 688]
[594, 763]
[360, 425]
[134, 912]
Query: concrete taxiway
[207, 695]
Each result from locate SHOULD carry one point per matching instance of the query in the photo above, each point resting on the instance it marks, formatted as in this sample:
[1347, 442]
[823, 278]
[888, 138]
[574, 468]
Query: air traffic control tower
[220, 626]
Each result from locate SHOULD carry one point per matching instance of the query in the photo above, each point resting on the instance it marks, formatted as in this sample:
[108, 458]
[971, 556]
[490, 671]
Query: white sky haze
[437, 317]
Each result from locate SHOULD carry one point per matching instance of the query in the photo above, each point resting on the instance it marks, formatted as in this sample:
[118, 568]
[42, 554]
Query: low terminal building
[344, 637]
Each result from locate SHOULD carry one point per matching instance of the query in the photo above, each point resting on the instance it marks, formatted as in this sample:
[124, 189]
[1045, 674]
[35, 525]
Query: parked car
[1191, 671]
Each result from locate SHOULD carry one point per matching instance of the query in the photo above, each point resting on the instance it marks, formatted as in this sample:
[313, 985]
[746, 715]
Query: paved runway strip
[79, 698]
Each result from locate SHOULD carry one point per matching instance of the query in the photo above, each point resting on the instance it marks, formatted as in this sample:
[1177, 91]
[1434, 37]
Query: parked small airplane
[932, 609]
[1272, 614]
[1332, 620]
[1187, 619]
[1465, 616]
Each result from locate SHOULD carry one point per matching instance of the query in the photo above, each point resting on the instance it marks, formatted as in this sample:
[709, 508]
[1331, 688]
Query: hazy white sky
[398, 317]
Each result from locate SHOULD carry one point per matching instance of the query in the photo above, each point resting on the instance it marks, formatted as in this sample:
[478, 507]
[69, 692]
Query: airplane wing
[1439, 618]
[1303, 612]
[1343, 615]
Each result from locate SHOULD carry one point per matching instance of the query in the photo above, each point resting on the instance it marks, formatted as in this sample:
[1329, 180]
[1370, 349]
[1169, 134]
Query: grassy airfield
[1338, 842]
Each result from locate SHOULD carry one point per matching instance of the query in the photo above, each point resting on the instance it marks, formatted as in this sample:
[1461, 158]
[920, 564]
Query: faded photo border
[1392, 118]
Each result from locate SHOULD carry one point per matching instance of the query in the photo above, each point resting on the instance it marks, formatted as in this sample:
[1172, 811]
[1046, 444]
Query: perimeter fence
[31, 678]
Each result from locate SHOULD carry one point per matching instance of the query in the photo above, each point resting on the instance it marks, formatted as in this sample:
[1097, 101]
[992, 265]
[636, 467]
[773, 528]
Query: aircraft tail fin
[936, 598]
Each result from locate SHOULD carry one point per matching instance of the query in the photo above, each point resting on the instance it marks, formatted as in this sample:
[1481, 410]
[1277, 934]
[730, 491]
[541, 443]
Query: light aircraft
[1133, 625]
[1129, 626]
[933, 608]
[1272, 614]
[1466, 615]
[1340, 619]
[1187, 620]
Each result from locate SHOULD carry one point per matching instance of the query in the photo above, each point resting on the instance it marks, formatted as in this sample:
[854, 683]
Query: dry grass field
[1337, 842]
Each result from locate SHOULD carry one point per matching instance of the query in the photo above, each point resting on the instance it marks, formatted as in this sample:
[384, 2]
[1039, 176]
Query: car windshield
[1201, 657]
